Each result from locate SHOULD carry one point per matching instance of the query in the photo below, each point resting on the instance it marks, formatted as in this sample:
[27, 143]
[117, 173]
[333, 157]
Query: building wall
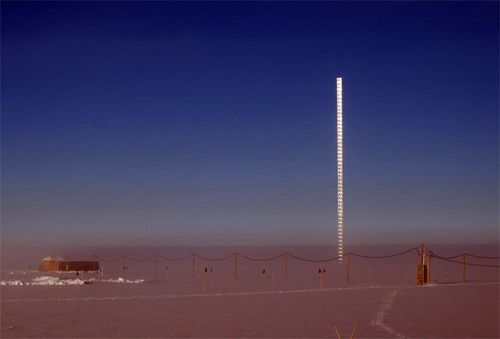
[55, 265]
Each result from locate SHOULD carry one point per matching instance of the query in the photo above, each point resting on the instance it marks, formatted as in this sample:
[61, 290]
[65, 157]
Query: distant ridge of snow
[119, 280]
[52, 259]
[42, 281]
[237, 294]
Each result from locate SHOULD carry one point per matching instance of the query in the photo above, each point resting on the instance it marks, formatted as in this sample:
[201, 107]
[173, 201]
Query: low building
[54, 264]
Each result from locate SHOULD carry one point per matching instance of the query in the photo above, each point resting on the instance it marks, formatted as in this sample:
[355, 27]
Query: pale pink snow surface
[381, 299]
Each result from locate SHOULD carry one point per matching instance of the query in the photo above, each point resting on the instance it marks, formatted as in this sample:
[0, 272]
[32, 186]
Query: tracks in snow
[387, 304]
[236, 294]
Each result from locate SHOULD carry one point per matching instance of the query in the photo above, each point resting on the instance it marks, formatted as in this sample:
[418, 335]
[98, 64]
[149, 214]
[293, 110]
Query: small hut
[54, 264]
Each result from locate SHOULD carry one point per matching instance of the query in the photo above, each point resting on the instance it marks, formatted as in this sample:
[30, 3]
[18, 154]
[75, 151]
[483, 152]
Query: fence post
[321, 279]
[422, 255]
[156, 267]
[193, 266]
[463, 266]
[235, 265]
[337, 332]
[272, 280]
[429, 257]
[96, 264]
[421, 268]
[203, 280]
[124, 267]
[286, 265]
[348, 271]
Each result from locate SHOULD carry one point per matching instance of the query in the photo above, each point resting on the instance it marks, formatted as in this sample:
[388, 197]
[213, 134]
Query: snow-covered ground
[42, 281]
[57, 281]
[381, 300]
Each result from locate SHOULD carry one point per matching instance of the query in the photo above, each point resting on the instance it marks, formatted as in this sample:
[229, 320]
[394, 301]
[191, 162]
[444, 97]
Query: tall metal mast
[340, 173]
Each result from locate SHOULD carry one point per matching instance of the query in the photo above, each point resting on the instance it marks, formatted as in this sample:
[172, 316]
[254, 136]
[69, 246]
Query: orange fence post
[463, 266]
[348, 270]
[156, 267]
[203, 280]
[272, 280]
[235, 265]
[429, 268]
[95, 265]
[124, 267]
[286, 265]
[421, 267]
[353, 332]
[337, 332]
[422, 258]
[321, 278]
[193, 266]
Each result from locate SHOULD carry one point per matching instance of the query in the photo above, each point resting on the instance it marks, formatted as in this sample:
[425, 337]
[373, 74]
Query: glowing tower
[340, 173]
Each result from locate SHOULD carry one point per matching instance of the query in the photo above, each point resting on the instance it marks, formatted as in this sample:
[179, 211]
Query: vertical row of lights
[340, 173]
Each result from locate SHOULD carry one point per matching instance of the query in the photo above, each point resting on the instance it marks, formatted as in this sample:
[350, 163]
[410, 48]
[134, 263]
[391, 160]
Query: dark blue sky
[214, 123]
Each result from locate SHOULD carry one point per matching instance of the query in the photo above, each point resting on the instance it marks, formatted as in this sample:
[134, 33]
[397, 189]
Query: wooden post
[156, 267]
[337, 332]
[420, 267]
[286, 266]
[125, 274]
[272, 280]
[193, 266]
[463, 266]
[203, 279]
[321, 279]
[235, 265]
[97, 271]
[348, 270]
[429, 257]
[353, 332]
[422, 262]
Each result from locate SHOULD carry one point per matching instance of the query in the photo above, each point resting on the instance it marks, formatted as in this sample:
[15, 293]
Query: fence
[201, 266]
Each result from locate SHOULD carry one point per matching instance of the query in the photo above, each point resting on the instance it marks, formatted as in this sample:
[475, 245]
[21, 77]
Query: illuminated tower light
[340, 173]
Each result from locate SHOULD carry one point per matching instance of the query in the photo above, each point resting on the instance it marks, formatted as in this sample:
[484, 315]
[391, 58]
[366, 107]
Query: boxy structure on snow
[54, 264]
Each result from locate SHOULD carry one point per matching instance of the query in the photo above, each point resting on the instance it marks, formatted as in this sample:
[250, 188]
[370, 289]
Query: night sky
[136, 123]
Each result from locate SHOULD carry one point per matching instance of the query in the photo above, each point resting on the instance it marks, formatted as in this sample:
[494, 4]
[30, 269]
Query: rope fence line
[480, 256]
[214, 259]
[261, 259]
[140, 260]
[354, 254]
[450, 259]
[464, 255]
[175, 259]
[106, 260]
[314, 260]
[423, 269]
[385, 256]
[441, 257]
[461, 254]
